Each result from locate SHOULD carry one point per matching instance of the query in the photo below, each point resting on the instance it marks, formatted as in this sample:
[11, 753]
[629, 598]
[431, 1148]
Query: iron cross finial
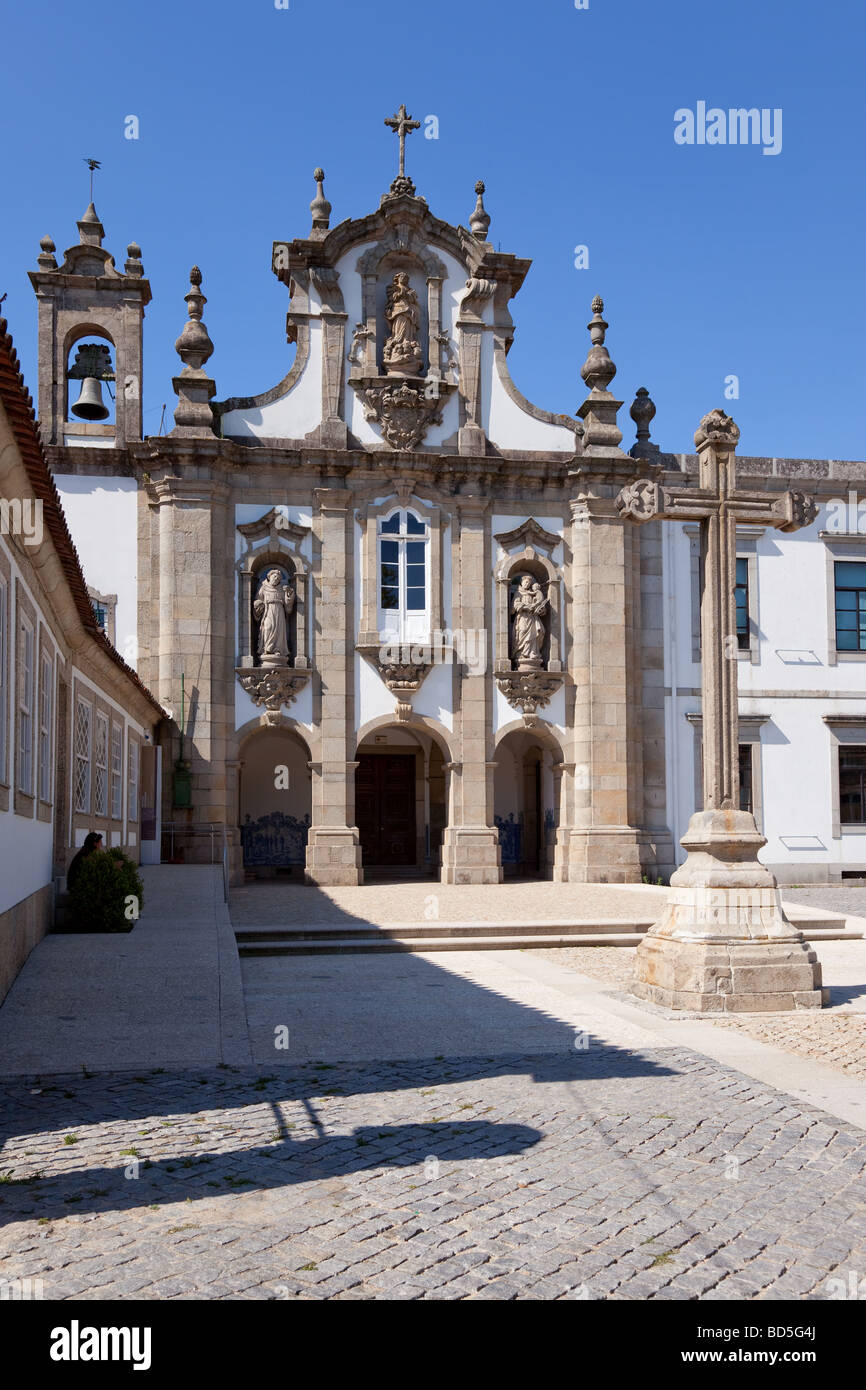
[402, 124]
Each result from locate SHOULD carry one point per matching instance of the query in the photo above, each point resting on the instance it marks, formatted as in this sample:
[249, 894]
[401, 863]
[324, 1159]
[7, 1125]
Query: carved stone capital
[274, 686]
[717, 428]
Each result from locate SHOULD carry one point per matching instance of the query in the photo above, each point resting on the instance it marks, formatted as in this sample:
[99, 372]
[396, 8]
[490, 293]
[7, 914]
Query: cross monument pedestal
[723, 943]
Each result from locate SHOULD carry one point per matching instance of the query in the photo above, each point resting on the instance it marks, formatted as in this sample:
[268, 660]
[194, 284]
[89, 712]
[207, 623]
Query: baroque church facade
[413, 632]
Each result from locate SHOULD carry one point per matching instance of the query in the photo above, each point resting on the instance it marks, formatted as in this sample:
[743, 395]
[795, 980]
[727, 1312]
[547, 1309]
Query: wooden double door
[385, 809]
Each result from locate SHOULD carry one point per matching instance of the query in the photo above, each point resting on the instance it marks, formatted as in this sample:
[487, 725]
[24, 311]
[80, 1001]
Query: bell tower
[83, 299]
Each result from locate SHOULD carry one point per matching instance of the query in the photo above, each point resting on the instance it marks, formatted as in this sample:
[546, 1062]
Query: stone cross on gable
[402, 124]
[719, 505]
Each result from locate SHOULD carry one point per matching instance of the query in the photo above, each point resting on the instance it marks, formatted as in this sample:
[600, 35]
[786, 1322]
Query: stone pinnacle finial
[46, 260]
[598, 371]
[479, 222]
[320, 207]
[194, 345]
[90, 229]
[133, 264]
[193, 416]
[601, 433]
[642, 411]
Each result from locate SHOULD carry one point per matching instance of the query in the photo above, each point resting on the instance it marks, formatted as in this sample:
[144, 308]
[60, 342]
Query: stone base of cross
[723, 943]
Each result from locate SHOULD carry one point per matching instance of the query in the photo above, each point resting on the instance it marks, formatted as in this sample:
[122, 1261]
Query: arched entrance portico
[527, 789]
[274, 802]
[401, 800]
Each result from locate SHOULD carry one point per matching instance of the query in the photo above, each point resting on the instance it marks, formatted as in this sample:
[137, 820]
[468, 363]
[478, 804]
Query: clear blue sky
[711, 260]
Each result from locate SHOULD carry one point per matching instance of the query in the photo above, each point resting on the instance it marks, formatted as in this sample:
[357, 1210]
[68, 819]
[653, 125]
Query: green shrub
[99, 900]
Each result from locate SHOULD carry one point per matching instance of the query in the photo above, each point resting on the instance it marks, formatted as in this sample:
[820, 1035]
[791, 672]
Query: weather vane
[92, 164]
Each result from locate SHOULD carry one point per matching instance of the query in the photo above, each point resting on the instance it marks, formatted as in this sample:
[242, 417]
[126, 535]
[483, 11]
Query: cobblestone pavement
[588, 1174]
[613, 965]
[836, 1036]
[836, 1039]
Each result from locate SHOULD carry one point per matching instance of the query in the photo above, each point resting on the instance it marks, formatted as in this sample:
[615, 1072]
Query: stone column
[660, 857]
[333, 848]
[195, 626]
[604, 839]
[605, 842]
[470, 847]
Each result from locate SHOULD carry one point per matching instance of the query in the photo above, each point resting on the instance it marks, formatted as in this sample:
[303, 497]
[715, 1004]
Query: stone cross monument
[723, 943]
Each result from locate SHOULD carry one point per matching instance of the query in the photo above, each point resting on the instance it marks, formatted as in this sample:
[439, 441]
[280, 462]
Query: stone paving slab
[168, 993]
[280, 903]
[648, 1174]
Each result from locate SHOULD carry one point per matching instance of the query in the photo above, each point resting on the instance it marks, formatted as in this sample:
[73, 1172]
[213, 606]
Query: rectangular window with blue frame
[850, 578]
[741, 595]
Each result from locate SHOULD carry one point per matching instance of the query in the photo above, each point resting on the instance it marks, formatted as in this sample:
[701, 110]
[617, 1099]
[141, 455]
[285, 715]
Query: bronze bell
[90, 405]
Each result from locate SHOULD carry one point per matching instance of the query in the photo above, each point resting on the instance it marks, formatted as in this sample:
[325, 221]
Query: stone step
[369, 946]
[376, 940]
[307, 931]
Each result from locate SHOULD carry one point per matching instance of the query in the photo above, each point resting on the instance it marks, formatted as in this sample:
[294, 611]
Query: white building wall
[793, 683]
[26, 843]
[85, 684]
[294, 414]
[102, 514]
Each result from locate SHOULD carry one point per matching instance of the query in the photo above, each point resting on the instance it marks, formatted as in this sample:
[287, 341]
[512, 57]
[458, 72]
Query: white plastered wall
[102, 514]
[295, 414]
[792, 683]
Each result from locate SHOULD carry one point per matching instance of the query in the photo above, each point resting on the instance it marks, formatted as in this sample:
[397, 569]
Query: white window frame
[26, 697]
[100, 764]
[402, 624]
[132, 766]
[116, 756]
[4, 680]
[83, 758]
[46, 713]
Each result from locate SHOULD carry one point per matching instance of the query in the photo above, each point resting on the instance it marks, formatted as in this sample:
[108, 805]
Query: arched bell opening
[91, 387]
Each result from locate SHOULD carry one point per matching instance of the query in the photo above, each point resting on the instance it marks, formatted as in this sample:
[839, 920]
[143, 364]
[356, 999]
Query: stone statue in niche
[272, 605]
[528, 632]
[402, 354]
